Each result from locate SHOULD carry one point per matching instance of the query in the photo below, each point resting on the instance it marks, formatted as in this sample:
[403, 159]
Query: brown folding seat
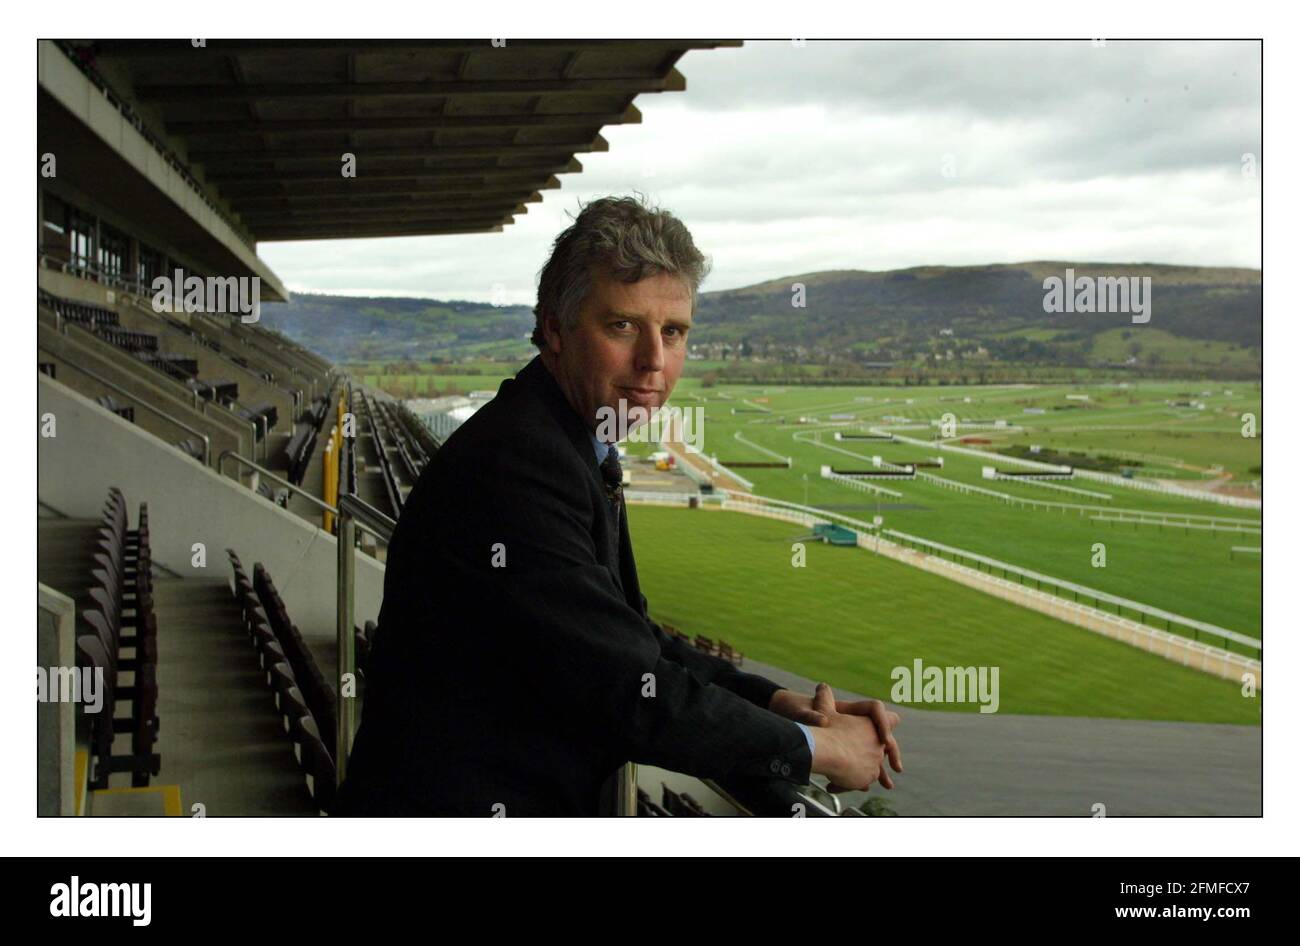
[144, 727]
[252, 611]
[695, 808]
[270, 654]
[102, 629]
[646, 808]
[281, 679]
[727, 652]
[145, 639]
[109, 604]
[263, 636]
[293, 708]
[318, 765]
[92, 653]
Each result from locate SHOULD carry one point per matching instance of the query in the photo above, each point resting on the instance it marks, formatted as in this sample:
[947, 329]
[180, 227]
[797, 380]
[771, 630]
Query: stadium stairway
[220, 739]
[65, 550]
[370, 476]
[221, 743]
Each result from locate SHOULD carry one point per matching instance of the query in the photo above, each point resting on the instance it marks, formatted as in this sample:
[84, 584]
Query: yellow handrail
[332, 458]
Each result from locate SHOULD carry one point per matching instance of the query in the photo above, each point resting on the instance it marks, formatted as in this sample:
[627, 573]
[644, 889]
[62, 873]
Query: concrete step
[65, 556]
[220, 735]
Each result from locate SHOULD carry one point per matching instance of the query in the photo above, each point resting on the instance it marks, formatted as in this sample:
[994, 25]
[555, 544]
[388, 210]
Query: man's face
[629, 345]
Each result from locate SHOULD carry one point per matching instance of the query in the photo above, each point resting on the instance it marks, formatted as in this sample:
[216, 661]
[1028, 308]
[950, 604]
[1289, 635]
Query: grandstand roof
[449, 136]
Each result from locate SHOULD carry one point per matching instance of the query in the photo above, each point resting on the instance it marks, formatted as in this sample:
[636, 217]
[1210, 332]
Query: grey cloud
[786, 160]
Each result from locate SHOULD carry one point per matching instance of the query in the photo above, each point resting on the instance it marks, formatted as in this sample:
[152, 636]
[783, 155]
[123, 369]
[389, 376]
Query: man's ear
[551, 333]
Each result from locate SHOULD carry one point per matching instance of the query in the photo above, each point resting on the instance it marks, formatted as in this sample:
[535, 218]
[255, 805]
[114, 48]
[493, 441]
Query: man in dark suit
[515, 668]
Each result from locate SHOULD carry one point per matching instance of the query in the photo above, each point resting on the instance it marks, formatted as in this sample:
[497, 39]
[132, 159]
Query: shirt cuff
[807, 734]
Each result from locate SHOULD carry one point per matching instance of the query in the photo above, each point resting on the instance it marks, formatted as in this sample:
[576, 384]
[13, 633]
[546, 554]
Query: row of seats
[122, 622]
[278, 496]
[127, 340]
[673, 805]
[379, 438]
[305, 701]
[719, 649]
[222, 390]
[424, 444]
[263, 416]
[314, 413]
[302, 444]
[181, 367]
[110, 403]
[191, 446]
[414, 459]
[299, 451]
[81, 313]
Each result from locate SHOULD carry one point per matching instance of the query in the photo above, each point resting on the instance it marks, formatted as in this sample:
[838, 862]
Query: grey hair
[623, 237]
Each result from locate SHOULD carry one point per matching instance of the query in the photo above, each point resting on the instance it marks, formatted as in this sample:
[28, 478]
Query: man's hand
[796, 706]
[801, 709]
[850, 749]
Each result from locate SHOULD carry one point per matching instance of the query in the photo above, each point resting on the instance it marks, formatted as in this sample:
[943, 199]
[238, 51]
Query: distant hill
[348, 328]
[1200, 316]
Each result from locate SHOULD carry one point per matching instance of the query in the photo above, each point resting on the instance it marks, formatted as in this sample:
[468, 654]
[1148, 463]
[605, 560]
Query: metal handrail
[207, 443]
[232, 455]
[351, 513]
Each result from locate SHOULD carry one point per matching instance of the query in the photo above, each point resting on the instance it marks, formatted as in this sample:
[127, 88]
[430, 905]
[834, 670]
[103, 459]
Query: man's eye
[621, 322]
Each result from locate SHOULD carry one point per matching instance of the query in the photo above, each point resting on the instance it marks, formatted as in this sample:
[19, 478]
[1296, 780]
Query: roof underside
[448, 136]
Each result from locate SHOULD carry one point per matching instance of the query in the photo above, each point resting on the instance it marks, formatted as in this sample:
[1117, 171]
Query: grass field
[1147, 427]
[1192, 573]
[849, 617]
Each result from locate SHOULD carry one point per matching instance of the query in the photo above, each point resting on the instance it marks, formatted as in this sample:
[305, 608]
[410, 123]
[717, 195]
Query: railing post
[347, 656]
[627, 790]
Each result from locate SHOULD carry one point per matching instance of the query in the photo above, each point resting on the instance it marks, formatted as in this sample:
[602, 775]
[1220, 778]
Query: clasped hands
[852, 736]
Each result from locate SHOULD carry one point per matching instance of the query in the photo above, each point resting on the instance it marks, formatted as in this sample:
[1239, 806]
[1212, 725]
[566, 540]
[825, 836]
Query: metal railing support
[347, 655]
[263, 471]
[627, 790]
[352, 514]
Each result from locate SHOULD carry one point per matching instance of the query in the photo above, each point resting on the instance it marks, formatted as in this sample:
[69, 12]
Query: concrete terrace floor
[972, 764]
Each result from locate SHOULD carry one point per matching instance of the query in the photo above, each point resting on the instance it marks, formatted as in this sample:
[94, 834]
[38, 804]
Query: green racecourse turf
[1190, 573]
[849, 617]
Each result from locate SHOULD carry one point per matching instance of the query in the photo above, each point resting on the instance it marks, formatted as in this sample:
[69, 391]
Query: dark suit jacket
[523, 684]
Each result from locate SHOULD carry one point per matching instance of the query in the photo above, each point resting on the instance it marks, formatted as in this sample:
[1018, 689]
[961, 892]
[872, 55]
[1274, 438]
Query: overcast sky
[852, 155]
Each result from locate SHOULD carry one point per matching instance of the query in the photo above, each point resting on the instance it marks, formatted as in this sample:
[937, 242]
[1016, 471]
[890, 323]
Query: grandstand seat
[191, 446]
[318, 765]
[110, 403]
[681, 805]
[303, 698]
[120, 592]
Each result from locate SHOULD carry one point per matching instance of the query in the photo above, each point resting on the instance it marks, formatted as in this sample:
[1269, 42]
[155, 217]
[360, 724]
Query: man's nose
[650, 352]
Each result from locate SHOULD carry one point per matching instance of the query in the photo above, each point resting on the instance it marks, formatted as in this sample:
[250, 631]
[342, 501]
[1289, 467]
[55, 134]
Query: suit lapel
[626, 563]
[537, 378]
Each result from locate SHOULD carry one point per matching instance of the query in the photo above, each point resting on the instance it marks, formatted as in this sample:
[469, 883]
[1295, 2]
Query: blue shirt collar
[602, 450]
